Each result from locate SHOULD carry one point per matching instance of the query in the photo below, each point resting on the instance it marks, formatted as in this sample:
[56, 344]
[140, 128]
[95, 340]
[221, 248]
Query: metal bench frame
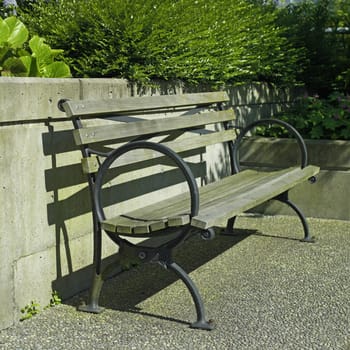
[130, 254]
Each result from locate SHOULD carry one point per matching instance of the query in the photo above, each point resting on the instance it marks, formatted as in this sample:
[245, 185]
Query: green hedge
[222, 41]
[314, 26]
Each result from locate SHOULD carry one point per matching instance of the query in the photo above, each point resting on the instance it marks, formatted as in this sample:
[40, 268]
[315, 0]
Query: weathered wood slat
[231, 184]
[188, 143]
[129, 226]
[195, 142]
[177, 205]
[228, 206]
[148, 127]
[92, 108]
[223, 199]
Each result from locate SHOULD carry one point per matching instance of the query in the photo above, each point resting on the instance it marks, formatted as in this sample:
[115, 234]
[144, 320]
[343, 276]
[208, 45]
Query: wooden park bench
[158, 148]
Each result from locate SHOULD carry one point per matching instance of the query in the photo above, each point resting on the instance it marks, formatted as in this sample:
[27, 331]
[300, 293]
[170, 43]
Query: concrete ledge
[25, 99]
[34, 99]
[328, 154]
[329, 196]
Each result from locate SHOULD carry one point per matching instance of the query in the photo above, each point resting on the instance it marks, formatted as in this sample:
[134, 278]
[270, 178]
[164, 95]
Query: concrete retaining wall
[37, 247]
[329, 196]
[45, 232]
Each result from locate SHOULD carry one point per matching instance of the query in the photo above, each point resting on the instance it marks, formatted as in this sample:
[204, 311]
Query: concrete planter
[329, 196]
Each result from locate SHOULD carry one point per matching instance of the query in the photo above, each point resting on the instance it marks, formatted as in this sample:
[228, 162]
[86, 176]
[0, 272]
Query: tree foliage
[231, 41]
[317, 28]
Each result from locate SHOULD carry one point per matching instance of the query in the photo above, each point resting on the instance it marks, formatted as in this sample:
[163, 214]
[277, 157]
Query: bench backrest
[187, 123]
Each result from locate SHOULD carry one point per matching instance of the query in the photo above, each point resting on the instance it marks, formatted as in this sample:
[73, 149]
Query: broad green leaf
[16, 61]
[34, 71]
[13, 66]
[41, 51]
[3, 51]
[56, 52]
[57, 70]
[18, 32]
[27, 62]
[4, 32]
[22, 52]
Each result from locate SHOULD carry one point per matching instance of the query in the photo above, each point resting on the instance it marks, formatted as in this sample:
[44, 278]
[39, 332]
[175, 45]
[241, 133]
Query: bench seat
[219, 201]
[140, 150]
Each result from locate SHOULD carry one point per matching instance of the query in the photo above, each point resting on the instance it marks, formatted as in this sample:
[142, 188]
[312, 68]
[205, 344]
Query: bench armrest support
[269, 122]
[193, 187]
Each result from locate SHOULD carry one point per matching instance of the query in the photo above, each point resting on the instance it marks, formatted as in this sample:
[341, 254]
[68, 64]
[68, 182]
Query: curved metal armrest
[194, 193]
[269, 122]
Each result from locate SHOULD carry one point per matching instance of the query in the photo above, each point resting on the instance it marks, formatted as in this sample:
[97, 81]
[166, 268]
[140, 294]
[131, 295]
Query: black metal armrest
[269, 122]
[194, 193]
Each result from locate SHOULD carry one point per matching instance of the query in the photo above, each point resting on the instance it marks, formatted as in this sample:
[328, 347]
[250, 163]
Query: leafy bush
[231, 41]
[17, 60]
[317, 118]
[314, 27]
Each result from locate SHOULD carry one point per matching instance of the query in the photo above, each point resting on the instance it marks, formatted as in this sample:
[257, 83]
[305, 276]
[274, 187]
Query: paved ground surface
[263, 288]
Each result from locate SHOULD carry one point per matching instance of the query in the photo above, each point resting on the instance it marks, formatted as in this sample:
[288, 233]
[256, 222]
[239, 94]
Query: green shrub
[313, 26]
[223, 41]
[18, 57]
[317, 118]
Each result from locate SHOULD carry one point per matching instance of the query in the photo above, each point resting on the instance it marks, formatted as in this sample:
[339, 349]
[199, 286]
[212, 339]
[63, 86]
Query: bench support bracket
[134, 254]
[229, 226]
[284, 198]
[94, 294]
[201, 322]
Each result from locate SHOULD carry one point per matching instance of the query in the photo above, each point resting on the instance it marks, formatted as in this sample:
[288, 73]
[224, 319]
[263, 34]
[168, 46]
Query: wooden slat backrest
[185, 143]
[56, 178]
[92, 108]
[148, 127]
[113, 122]
[106, 126]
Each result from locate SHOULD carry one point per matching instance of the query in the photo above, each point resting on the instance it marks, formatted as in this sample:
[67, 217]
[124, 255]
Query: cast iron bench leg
[94, 294]
[201, 322]
[284, 199]
[230, 225]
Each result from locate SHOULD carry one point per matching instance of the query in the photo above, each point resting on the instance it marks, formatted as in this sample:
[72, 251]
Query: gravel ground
[263, 288]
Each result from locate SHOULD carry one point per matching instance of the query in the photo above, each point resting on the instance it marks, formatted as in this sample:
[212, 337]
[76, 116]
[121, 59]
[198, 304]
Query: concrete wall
[329, 196]
[37, 248]
[45, 232]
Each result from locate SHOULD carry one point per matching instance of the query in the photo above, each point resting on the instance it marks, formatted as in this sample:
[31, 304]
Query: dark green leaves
[317, 118]
[215, 42]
